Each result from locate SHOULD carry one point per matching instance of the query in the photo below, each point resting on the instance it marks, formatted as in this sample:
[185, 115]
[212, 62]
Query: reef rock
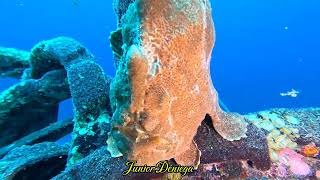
[215, 149]
[162, 89]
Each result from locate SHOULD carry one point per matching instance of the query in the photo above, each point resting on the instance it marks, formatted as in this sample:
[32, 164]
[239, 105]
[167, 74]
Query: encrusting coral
[162, 89]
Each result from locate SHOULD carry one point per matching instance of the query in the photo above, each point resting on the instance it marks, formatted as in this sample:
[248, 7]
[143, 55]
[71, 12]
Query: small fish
[293, 93]
[20, 3]
[76, 2]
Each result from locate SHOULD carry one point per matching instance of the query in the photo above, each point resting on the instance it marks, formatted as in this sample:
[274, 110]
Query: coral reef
[293, 139]
[294, 161]
[161, 105]
[220, 158]
[162, 89]
[280, 143]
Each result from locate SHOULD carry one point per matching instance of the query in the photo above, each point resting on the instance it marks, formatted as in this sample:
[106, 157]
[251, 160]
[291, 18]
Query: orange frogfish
[163, 90]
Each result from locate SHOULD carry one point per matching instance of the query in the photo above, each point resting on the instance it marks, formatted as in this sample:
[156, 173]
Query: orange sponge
[310, 150]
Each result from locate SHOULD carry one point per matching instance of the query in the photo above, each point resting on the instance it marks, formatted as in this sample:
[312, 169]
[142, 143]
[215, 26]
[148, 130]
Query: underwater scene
[159, 89]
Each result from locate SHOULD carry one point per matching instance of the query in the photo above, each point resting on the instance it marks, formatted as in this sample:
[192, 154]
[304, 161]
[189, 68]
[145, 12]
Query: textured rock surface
[51, 54]
[55, 65]
[215, 149]
[288, 132]
[120, 7]
[89, 88]
[221, 159]
[116, 45]
[24, 107]
[89, 92]
[270, 133]
[13, 62]
[248, 158]
[40, 161]
[51, 133]
[309, 126]
[163, 90]
[98, 165]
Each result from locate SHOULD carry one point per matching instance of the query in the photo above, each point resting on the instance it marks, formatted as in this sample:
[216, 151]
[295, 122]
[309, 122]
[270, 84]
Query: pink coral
[295, 161]
[318, 174]
[282, 171]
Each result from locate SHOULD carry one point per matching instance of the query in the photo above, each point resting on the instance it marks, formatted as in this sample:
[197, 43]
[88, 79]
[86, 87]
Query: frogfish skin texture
[162, 90]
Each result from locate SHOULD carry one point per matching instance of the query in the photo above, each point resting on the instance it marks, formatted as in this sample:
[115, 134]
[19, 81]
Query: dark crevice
[42, 170]
[250, 163]
[208, 120]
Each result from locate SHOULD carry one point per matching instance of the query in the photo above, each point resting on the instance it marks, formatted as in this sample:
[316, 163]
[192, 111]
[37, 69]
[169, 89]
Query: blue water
[263, 47]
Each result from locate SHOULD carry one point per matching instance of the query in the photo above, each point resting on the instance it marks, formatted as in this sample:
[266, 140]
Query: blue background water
[263, 47]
